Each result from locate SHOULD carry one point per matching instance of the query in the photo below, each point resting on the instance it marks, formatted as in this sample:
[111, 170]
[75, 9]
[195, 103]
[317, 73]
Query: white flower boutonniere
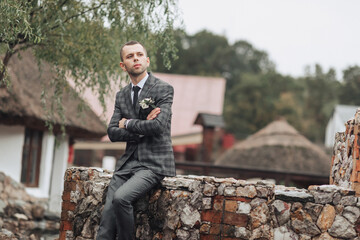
[146, 103]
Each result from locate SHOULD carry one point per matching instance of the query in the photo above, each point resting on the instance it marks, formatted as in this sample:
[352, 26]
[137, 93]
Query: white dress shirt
[140, 84]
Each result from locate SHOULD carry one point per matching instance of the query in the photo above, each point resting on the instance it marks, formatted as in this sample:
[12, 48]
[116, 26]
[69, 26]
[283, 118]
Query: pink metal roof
[192, 94]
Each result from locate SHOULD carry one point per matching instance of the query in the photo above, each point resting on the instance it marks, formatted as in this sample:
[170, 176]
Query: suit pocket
[161, 148]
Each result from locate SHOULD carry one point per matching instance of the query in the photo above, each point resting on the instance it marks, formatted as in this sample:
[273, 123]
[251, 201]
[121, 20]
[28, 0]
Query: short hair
[132, 42]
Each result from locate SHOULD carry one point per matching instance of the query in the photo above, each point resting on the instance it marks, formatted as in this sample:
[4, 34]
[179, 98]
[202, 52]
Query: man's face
[135, 62]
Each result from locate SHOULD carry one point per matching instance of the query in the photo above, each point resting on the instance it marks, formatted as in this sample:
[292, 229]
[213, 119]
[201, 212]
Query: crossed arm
[152, 115]
[155, 124]
[160, 119]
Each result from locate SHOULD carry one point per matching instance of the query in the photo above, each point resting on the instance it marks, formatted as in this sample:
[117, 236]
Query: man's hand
[153, 114]
[122, 123]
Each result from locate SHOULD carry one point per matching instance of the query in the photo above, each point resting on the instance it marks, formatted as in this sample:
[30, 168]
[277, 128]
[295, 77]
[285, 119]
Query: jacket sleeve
[115, 133]
[159, 124]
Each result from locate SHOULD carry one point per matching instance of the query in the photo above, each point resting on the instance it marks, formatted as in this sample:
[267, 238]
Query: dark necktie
[136, 90]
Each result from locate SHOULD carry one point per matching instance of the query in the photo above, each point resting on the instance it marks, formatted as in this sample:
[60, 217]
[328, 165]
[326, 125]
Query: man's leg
[107, 227]
[139, 184]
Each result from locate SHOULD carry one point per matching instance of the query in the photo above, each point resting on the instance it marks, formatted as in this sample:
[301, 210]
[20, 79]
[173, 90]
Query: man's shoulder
[159, 82]
[124, 89]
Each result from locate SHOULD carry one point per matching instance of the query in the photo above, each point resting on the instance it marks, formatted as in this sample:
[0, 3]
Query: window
[31, 158]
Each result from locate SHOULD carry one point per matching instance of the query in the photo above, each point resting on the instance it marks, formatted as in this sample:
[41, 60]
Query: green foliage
[320, 96]
[258, 99]
[81, 39]
[209, 54]
[350, 91]
[255, 93]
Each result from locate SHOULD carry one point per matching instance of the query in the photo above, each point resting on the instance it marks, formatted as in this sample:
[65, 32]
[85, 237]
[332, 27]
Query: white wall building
[341, 114]
[29, 153]
[49, 171]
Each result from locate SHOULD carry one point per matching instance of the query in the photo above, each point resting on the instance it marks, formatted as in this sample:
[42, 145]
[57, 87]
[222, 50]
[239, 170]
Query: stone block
[351, 213]
[189, 216]
[228, 231]
[209, 237]
[229, 191]
[341, 228]
[205, 228]
[69, 186]
[247, 191]
[209, 190]
[218, 204]
[68, 206]
[259, 215]
[326, 217]
[242, 232]
[65, 225]
[243, 207]
[236, 219]
[356, 187]
[206, 203]
[66, 196]
[215, 229]
[348, 201]
[231, 206]
[211, 216]
[281, 211]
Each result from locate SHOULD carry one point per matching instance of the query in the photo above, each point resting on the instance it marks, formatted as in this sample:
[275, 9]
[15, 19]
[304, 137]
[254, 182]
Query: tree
[209, 54]
[199, 54]
[243, 66]
[81, 39]
[255, 93]
[320, 96]
[257, 99]
[350, 90]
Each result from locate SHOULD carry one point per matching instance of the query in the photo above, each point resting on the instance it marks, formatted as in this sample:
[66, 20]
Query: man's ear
[122, 65]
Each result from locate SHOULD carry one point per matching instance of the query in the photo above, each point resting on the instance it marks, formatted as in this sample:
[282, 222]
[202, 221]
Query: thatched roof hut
[278, 148]
[21, 104]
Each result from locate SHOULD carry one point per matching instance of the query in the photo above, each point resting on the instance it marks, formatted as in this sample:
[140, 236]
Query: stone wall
[21, 215]
[194, 207]
[345, 166]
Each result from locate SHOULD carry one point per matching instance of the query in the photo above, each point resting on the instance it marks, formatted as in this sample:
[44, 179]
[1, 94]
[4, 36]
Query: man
[148, 156]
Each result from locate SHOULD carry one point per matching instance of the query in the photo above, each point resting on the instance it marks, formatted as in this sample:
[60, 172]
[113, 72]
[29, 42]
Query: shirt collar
[142, 82]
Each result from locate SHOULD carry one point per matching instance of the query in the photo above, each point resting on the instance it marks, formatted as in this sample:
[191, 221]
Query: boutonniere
[146, 103]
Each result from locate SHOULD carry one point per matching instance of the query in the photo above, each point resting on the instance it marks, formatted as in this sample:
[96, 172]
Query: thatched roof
[278, 147]
[21, 104]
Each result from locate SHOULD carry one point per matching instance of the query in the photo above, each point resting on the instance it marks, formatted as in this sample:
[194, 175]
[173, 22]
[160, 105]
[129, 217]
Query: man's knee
[120, 201]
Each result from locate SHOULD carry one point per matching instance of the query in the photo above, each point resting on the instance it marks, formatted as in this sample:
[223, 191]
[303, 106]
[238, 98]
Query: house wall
[203, 207]
[341, 114]
[52, 167]
[11, 144]
[57, 179]
[329, 132]
[334, 125]
[47, 152]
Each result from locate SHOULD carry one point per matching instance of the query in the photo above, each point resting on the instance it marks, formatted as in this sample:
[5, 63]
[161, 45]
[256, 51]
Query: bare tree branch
[63, 3]
[79, 14]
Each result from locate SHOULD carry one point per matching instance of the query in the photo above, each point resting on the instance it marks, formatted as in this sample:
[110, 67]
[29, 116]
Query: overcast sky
[294, 33]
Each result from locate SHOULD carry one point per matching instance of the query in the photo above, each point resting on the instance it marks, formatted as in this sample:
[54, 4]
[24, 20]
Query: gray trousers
[126, 186]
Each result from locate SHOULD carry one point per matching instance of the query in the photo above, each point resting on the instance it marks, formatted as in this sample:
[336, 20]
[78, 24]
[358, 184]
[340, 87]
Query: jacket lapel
[150, 82]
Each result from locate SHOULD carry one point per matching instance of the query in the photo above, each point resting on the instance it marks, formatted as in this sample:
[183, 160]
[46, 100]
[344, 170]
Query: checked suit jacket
[150, 138]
